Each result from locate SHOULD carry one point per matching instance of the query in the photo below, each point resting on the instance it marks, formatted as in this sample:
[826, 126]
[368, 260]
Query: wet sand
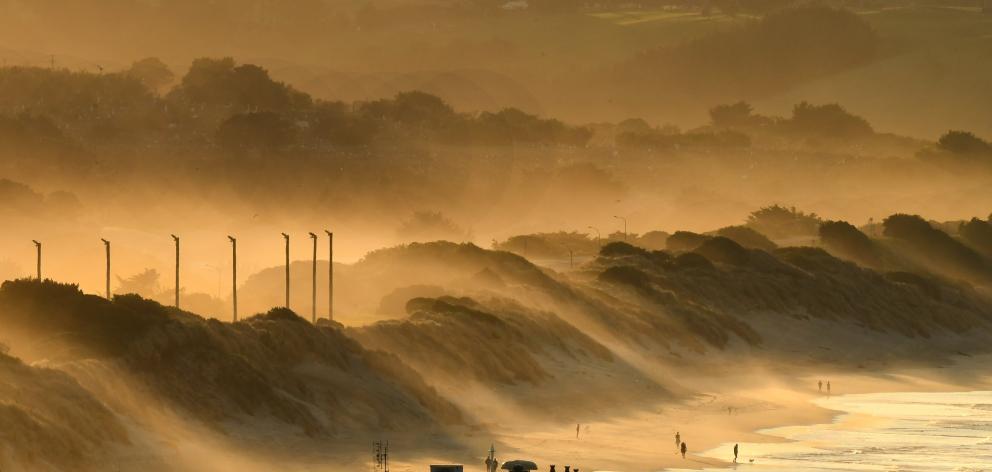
[645, 441]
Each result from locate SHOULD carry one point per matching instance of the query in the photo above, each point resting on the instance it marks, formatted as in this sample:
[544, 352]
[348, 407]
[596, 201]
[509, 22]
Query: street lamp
[330, 274]
[176, 240]
[234, 275]
[106, 245]
[37, 245]
[313, 298]
[286, 237]
[624, 225]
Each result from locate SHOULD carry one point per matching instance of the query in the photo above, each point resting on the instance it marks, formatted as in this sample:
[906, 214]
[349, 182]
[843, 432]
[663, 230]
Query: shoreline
[964, 374]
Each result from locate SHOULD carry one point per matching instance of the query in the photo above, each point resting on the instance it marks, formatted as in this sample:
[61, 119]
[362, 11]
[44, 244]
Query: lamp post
[624, 225]
[330, 274]
[313, 298]
[176, 240]
[37, 246]
[106, 245]
[234, 275]
[286, 237]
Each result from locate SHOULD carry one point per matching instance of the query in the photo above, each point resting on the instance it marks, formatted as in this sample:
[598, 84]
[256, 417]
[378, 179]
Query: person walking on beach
[678, 439]
[819, 385]
[683, 450]
[577, 431]
[735, 453]
[828, 387]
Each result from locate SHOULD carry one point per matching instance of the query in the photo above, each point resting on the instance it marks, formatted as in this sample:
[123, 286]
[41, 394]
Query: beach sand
[645, 440]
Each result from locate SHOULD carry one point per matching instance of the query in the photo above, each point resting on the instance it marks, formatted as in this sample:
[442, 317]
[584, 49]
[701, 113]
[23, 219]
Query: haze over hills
[565, 229]
[478, 55]
[525, 332]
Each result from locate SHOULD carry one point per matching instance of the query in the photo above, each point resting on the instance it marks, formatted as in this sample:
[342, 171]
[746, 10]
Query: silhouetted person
[678, 439]
[819, 385]
[576, 430]
[567, 467]
[683, 450]
[828, 387]
[552, 468]
[735, 453]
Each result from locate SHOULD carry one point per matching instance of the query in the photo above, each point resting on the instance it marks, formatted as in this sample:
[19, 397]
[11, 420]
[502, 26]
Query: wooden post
[37, 245]
[234, 275]
[330, 274]
[313, 298]
[106, 245]
[286, 237]
[176, 239]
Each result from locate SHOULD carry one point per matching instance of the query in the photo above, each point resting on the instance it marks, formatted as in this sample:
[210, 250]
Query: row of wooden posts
[234, 272]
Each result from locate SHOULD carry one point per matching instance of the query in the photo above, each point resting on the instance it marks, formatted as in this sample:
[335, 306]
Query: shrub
[830, 120]
[721, 249]
[937, 246]
[683, 241]
[619, 249]
[848, 241]
[963, 142]
[691, 260]
[780, 222]
[747, 237]
[978, 234]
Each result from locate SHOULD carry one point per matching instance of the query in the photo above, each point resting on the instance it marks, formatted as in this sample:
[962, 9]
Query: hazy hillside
[257, 235]
[532, 359]
[270, 369]
[50, 422]
[937, 59]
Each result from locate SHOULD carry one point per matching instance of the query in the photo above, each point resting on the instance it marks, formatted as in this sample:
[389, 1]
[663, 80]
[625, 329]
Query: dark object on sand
[519, 466]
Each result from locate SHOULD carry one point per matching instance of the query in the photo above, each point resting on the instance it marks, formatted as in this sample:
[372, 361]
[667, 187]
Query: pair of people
[680, 444]
[819, 385]
[683, 448]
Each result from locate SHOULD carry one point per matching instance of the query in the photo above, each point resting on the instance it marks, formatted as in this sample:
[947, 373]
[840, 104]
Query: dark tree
[734, 115]
[152, 72]
[240, 88]
[830, 120]
[780, 222]
[963, 142]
